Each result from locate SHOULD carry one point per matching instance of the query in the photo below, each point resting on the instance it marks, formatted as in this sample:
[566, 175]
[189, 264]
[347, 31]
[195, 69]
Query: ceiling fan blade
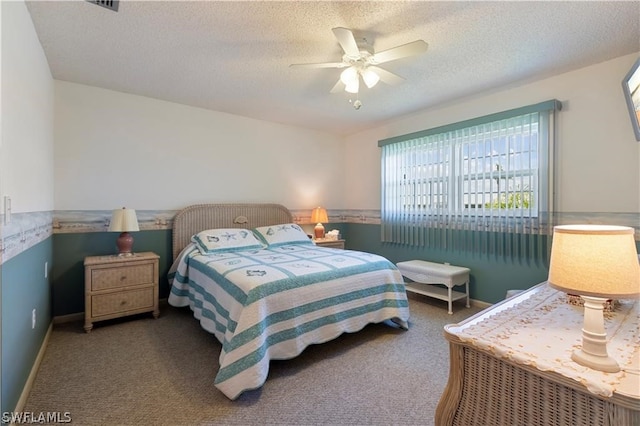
[347, 41]
[339, 87]
[321, 65]
[410, 49]
[386, 76]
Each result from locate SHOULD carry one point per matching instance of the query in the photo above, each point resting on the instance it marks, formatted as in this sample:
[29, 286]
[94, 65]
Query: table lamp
[319, 215]
[124, 221]
[597, 262]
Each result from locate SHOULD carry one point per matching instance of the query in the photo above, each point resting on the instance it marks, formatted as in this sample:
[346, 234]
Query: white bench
[424, 274]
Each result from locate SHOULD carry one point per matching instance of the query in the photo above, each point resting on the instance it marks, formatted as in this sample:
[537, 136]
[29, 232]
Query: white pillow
[287, 233]
[225, 240]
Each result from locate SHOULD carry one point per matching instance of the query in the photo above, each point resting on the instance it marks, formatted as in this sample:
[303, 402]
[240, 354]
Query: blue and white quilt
[272, 303]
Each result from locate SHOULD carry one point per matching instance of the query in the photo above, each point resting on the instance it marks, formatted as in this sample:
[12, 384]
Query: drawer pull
[124, 302]
[122, 278]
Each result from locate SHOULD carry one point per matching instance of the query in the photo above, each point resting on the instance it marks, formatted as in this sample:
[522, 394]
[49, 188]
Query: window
[492, 173]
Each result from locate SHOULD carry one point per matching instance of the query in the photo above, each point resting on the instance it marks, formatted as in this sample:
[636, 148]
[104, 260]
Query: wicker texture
[107, 278]
[497, 393]
[112, 303]
[199, 217]
[118, 286]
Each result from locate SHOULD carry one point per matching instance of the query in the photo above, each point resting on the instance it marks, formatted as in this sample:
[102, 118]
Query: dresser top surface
[114, 258]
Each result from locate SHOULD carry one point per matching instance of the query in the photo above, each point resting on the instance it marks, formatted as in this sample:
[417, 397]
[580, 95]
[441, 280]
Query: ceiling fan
[360, 60]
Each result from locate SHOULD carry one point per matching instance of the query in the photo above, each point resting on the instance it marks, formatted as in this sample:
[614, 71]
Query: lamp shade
[370, 77]
[124, 220]
[319, 215]
[353, 87]
[351, 79]
[349, 76]
[595, 260]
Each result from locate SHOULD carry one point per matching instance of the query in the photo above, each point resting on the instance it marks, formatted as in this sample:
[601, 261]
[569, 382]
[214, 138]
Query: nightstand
[339, 244]
[117, 286]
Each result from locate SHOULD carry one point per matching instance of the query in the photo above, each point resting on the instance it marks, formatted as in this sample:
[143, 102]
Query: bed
[267, 292]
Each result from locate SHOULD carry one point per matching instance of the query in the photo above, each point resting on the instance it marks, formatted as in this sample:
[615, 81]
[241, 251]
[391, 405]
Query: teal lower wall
[492, 273]
[497, 263]
[69, 251]
[24, 288]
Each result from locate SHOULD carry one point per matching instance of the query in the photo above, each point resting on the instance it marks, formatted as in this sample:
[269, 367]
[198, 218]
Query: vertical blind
[491, 173]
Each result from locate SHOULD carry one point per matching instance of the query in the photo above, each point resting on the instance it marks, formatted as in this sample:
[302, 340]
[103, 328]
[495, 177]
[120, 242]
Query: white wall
[598, 157]
[114, 149]
[26, 148]
[26, 174]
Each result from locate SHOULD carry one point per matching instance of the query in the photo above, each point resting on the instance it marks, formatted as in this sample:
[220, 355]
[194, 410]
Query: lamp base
[125, 244]
[318, 231]
[594, 338]
[595, 362]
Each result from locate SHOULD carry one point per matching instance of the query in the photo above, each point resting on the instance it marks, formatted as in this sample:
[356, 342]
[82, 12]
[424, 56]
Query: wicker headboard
[199, 217]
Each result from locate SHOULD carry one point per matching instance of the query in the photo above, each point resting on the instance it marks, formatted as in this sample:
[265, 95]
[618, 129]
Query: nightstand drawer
[111, 303]
[107, 278]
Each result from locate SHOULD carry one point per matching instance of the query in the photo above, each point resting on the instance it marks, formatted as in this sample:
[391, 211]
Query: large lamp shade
[595, 260]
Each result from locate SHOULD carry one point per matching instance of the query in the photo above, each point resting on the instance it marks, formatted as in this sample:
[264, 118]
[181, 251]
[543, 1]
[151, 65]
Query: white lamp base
[594, 338]
[606, 364]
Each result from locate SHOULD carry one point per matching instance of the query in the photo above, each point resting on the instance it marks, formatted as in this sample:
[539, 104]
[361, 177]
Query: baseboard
[61, 319]
[34, 371]
[480, 304]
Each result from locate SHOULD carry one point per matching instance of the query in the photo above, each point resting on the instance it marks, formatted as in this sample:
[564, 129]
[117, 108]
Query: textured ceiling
[234, 56]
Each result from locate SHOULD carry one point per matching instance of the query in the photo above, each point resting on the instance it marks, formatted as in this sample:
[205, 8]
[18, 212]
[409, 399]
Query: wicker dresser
[511, 365]
[117, 286]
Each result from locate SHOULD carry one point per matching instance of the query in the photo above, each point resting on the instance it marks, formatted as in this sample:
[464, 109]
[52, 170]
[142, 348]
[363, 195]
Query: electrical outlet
[33, 318]
[46, 269]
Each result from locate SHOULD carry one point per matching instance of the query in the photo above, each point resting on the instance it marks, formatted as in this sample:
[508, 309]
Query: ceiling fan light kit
[369, 77]
[353, 87]
[350, 79]
[361, 61]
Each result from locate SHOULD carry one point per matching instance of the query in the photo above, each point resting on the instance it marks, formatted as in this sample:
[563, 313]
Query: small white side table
[425, 274]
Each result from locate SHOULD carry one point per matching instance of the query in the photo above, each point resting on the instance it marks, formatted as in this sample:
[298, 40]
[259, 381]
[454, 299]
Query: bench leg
[449, 289]
[467, 287]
